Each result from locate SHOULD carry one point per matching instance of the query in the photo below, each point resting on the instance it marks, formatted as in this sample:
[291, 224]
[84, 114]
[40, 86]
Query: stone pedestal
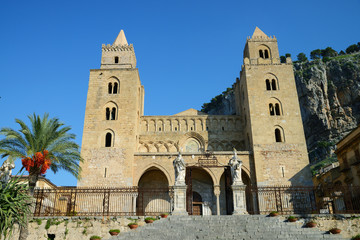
[239, 199]
[180, 200]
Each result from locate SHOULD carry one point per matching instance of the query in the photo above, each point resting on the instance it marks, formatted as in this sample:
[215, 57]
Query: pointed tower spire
[121, 39]
[259, 33]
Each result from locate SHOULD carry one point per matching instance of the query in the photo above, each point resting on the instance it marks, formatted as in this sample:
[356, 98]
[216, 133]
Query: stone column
[180, 200]
[217, 194]
[134, 197]
[239, 199]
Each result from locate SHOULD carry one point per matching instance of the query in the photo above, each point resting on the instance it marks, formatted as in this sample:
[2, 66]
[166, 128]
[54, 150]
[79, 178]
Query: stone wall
[75, 228]
[349, 224]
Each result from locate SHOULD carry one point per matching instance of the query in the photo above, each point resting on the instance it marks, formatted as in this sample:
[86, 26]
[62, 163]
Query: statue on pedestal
[179, 166]
[5, 171]
[235, 167]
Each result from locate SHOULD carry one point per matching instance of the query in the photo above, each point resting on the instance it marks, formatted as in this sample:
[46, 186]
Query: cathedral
[122, 148]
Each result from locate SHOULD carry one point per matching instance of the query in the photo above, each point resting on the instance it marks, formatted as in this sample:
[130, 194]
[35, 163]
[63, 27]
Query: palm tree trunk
[24, 230]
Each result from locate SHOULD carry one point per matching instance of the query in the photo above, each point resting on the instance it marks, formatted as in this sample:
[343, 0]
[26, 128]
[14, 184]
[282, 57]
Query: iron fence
[102, 201]
[131, 201]
[303, 200]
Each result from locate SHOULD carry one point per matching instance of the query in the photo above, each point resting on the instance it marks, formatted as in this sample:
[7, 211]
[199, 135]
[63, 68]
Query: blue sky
[187, 51]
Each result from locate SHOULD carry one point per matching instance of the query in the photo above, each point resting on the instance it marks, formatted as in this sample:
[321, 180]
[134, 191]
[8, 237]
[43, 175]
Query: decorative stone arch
[175, 125]
[197, 137]
[161, 147]
[167, 125]
[151, 125]
[149, 167]
[263, 51]
[111, 111]
[199, 125]
[275, 107]
[159, 125]
[113, 85]
[143, 147]
[271, 82]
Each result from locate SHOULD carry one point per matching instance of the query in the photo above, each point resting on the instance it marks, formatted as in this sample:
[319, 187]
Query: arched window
[110, 88]
[107, 114]
[268, 87]
[261, 54]
[277, 109]
[116, 59]
[108, 138]
[271, 109]
[273, 84]
[113, 113]
[266, 53]
[115, 90]
[278, 136]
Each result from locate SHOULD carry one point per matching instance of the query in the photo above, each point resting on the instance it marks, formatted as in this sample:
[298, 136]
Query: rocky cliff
[329, 96]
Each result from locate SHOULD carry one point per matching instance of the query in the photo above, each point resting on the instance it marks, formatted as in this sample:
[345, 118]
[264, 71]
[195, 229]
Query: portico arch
[153, 194]
[200, 185]
[149, 167]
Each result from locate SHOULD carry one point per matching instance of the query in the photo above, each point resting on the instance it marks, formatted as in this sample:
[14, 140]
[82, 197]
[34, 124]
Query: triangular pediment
[190, 112]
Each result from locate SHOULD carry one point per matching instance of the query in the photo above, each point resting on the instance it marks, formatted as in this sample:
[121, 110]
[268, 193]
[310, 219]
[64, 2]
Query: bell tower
[267, 99]
[113, 108]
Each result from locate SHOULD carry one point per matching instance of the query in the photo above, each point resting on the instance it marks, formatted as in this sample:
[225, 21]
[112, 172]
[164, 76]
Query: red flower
[39, 162]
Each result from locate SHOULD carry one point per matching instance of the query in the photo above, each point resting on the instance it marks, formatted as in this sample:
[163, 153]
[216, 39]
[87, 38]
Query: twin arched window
[113, 88]
[274, 109]
[110, 115]
[271, 85]
[264, 53]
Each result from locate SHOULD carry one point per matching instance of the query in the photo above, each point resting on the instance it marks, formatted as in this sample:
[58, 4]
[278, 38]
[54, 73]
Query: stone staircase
[224, 227]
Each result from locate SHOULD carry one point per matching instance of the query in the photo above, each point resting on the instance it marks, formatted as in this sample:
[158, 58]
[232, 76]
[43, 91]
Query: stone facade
[348, 155]
[121, 146]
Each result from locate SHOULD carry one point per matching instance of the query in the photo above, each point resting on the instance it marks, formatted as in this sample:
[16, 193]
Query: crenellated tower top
[261, 49]
[118, 55]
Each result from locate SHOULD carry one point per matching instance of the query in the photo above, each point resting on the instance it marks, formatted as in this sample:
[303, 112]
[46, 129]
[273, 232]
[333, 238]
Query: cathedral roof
[190, 112]
[121, 39]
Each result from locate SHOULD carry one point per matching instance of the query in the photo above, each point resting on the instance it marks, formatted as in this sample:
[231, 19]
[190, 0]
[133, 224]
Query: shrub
[132, 223]
[95, 237]
[14, 206]
[356, 237]
[114, 230]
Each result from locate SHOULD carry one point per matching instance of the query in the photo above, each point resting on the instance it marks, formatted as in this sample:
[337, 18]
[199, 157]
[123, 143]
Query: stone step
[223, 227]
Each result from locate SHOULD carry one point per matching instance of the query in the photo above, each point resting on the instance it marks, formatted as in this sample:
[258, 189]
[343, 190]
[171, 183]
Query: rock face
[329, 96]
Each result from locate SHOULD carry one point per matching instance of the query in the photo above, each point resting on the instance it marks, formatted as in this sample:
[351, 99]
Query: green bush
[132, 223]
[14, 206]
[114, 230]
[95, 237]
[356, 236]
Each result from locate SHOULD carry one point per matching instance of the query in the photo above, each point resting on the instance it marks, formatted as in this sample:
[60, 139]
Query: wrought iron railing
[131, 201]
[102, 201]
[303, 200]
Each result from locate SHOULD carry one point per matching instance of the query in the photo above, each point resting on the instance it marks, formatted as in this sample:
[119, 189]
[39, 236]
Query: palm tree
[45, 138]
[45, 144]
